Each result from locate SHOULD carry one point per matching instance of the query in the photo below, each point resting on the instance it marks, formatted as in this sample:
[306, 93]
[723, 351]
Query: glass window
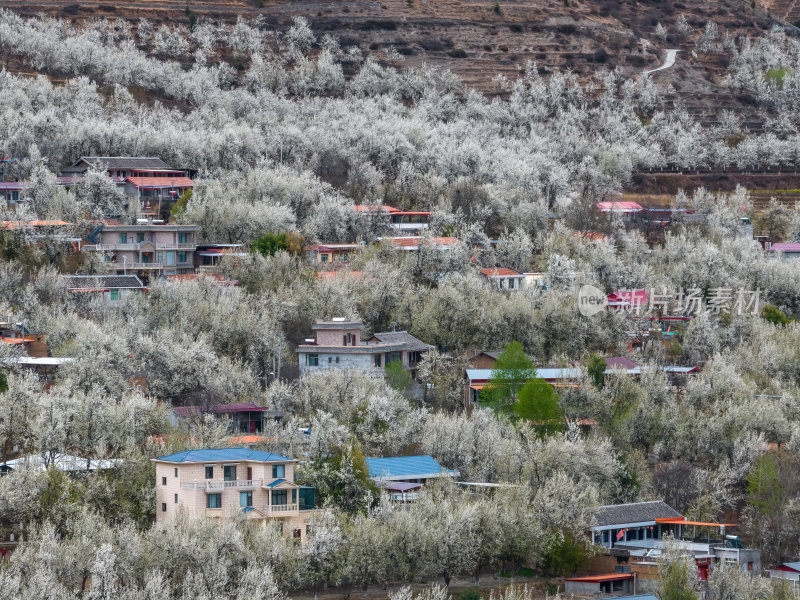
[181, 257]
[176, 471]
[114, 295]
[279, 497]
[294, 496]
[245, 499]
[229, 472]
[297, 533]
[209, 472]
[214, 501]
[160, 257]
[176, 498]
[170, 259]
[140, 237]
[312, 360]
[278, 471]
[323, 258]
[182, 237]
[123, 238]
[377, 360]
[163, 507]
[163, 481]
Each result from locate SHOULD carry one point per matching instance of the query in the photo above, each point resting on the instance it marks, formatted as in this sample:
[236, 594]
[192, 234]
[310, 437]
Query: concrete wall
[335, 337]
[359, 362]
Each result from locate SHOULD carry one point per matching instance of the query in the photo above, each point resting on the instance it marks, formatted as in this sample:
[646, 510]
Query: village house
[207, 256]
[10, 192]
[635, 533]
[413, 243]
[147, 178]
[628, 210]
[786, 250]
[787, 570]
[245, 417]
[504, 279]
[405, 222]
[331, 255]
[147, 250]
[338, 344]
[219, 483]
[477, 379]
[113, 289]
[404, 476]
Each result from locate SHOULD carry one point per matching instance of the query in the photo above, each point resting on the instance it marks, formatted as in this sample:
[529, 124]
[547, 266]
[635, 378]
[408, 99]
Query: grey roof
[636, 512]
[337, 325]
[408, 341]
[84, 282]
[119, 162]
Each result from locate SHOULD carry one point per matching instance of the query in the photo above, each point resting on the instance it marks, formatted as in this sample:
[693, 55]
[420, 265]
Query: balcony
[140, 265]
[137, 247]
[218, 485]
[279, 510]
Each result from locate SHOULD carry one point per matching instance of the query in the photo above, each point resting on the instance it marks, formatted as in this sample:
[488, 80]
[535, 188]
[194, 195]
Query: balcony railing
[140, 265]
[279, 508]
[134, 247]
[218, 485]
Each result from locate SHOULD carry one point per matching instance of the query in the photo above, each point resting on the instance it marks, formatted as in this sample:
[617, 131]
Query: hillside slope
[478, 39]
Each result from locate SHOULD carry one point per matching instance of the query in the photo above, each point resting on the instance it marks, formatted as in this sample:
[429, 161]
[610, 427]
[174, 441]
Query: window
[114, 295]
[170, 259]
[308, 530]
[163, 507]
[214, 501]
[279, 497]
[297, 533]
[140, 237]
[163, 481]
[176, 471]
[330, 359]
[377, 360]
[182, 237]
[294, 496]
[312, 360]
[160, 257]
[176, 498]
[245, 499]
[337, 359]
[229, 472]
[344, 340]
[210, 472]
[323, 258]
[278, 471]
[181, 257]
[123, 238]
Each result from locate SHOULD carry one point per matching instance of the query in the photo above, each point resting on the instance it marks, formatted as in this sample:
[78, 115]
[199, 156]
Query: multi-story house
[146, 249]
[402, 221]
[220, 483]
[147, 178]
[338, 345]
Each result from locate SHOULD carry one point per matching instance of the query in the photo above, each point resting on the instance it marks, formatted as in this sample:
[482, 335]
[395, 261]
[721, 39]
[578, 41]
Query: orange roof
[161, 182]
[29, 338]
[217, 277]
[592, 236]
[249, 439]
[599, 578]
[501, 272]
[375, 208]
[683, 521]
[335, 274]
[16, 224]
[407, 242]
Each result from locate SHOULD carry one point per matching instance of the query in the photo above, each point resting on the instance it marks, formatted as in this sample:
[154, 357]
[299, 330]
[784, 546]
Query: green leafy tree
[775, 315]
[596, 368]
[180, 204]
[511, 372]
[269, 243]
[538, 403]
[397, 376]
[565, 556]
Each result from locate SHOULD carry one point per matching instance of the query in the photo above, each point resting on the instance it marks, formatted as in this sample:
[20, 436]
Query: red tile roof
[501, 272]
[410, 242]
[619, 206]
[161, 182]
[17, 224]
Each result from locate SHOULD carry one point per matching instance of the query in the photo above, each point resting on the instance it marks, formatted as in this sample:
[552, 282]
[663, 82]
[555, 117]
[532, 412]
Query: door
[249, 473]
[229, 472]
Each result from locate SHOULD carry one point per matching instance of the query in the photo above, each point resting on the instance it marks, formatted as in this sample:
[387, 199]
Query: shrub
[470, 594]
[457, 53]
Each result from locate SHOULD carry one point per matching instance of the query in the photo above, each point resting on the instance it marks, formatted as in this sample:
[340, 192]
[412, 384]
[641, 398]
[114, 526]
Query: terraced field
[477, 38]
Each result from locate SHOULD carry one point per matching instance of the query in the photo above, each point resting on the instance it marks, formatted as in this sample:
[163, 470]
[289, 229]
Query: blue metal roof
[276, 483]
[792, 565]
[406, 467]
[218, 454]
